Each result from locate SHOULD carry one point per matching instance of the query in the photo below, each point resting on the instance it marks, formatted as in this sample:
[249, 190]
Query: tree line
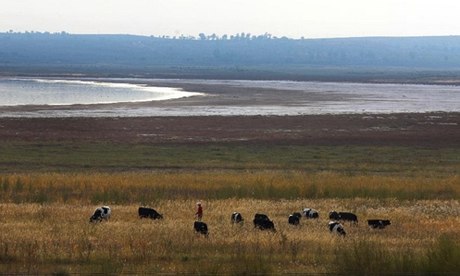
[243, 49]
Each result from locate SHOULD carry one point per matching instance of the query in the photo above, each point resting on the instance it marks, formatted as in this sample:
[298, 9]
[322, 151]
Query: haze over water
[251, 98]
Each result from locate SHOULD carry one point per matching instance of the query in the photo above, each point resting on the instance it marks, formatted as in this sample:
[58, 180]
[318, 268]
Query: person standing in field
[199, 211]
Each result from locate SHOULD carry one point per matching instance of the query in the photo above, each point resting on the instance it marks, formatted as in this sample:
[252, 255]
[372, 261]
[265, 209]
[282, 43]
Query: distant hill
[26, 52]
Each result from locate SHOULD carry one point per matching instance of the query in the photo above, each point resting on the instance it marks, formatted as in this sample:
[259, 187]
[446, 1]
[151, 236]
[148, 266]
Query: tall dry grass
[44, 224]
[57, 238]
[129, 187]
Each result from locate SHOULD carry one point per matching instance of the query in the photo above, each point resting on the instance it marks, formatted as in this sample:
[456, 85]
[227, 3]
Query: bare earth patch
[414, 129]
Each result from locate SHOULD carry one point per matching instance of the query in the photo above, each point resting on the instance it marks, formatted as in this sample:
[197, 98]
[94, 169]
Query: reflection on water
[294, 98]
[14, 92]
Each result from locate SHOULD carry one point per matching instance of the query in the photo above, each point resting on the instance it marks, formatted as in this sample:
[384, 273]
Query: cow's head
[334, 215]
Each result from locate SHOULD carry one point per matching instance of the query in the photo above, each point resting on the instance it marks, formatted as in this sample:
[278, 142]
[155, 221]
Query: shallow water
[294, 98]
[17, 92]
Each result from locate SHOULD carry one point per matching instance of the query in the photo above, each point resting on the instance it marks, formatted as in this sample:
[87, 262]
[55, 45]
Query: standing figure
[199, 211]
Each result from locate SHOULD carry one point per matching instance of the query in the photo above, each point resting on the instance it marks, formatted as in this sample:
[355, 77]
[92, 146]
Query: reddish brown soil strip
[427, 129]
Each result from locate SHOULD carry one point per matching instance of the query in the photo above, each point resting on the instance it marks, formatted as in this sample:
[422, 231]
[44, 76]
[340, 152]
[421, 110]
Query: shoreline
[256, 98]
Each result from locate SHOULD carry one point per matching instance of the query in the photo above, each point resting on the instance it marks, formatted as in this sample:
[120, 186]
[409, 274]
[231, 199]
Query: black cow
[145, 212]
[294, 219]
[310, 213]
[101, 213]
[262, 222]
[336, 227]
[201, 228]
[237, 217]
[297, 214]
[352, 218]
[378, 223]
[334, 215]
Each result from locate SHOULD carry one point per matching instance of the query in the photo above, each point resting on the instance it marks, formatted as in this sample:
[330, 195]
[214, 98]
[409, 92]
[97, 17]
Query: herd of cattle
[261, 221]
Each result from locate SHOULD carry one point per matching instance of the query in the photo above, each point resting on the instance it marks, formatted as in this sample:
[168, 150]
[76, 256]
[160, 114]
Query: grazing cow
[297, 214]
[101, 213]
[237, 217]
[334, 215]
[352, 218]
[294, 219]
[336, 227]
[378, 223]
[145, 212]
[262, 222]
[201, 228]
[310, 213]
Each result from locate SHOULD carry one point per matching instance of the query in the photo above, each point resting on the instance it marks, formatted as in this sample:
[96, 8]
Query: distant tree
[250, 50]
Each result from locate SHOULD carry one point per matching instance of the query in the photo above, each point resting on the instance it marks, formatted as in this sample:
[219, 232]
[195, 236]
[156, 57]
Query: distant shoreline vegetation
[201, 36]
[214, 36]
[237, 56]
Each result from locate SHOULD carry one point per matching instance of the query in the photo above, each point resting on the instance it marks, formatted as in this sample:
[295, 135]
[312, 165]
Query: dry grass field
[57, 238]
[44, 224]
[55, 172]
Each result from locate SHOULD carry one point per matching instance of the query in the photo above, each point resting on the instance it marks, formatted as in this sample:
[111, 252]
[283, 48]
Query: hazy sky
[292, 18]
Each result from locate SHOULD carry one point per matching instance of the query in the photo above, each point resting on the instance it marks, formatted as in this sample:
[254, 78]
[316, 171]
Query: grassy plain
[345, 159]
[49, 190]
[57, 238]
[54, 172]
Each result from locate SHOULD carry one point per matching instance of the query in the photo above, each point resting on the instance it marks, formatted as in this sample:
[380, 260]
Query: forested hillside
[118, 52]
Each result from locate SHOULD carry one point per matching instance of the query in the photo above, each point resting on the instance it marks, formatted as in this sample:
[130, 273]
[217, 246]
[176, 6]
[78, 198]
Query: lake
[155, 97]
[16, 92]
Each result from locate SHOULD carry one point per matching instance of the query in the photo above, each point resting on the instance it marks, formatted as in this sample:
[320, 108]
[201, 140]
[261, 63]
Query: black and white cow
[352, 218]
[310, 213]
[237, 218]
[201, 228]
[294, 219]
[378, 223]
[262, 222]
[337, 228]
[145, 212]
[101, 213]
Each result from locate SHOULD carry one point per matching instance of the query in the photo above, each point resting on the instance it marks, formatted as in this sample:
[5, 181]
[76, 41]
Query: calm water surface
[16, 92]
[59, 97]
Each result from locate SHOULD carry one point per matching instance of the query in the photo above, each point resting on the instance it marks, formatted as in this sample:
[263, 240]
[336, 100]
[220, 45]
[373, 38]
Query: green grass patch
[352, 160]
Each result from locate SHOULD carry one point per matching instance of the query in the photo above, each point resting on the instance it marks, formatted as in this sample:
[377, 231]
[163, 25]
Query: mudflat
[231, 98]
[409, 129]
[433, 129]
